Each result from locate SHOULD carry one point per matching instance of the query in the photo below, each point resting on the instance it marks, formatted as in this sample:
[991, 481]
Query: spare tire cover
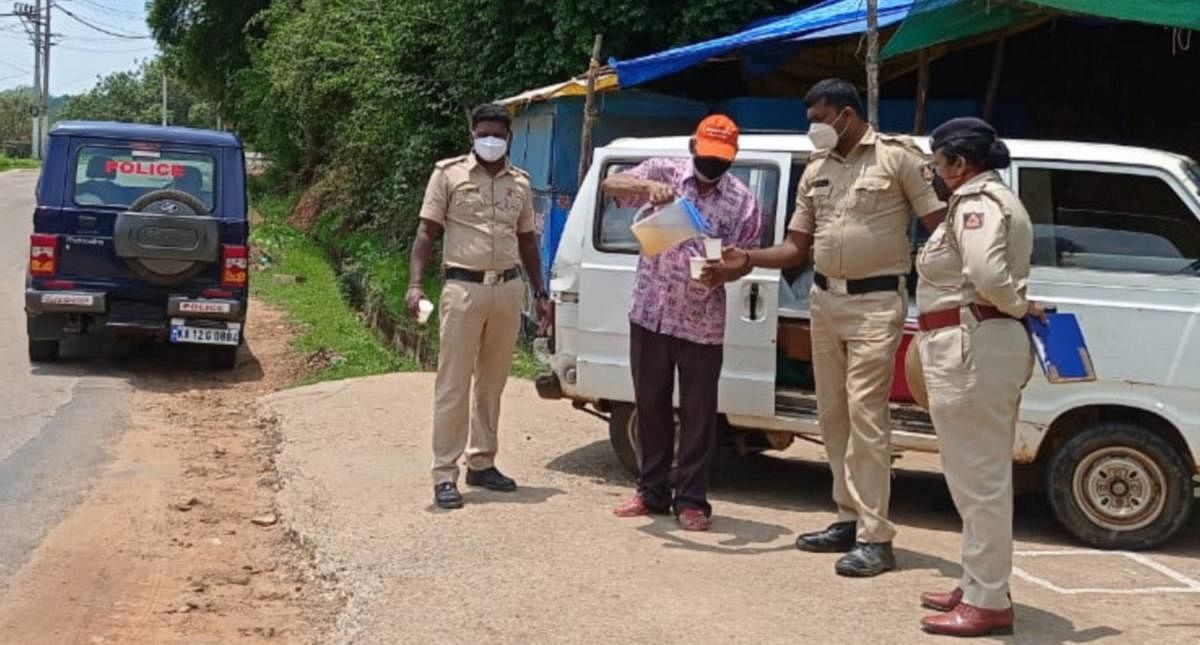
[171, 203]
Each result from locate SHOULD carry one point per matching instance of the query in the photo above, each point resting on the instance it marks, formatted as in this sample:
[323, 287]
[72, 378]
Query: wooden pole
[989, 102]
[589, 110]
[873, 62]
[922, 91]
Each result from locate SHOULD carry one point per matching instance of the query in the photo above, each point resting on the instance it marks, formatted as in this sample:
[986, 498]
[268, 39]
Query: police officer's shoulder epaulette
[901, 140]
[519, 171]
[446, 163]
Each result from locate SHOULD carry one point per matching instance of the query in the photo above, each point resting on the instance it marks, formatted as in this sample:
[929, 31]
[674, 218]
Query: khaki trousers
[974, 374]
[479, 327]
[854, 348]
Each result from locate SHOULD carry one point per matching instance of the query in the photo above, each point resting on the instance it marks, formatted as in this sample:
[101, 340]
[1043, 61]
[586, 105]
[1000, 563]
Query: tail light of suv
[43, 255]
[235, 262]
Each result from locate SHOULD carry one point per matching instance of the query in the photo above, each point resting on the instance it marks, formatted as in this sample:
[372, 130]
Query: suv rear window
[112, 176]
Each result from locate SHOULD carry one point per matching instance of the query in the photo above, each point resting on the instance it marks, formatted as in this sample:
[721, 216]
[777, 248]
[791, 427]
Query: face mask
[491, 149]
[825, 136]
[709, 170]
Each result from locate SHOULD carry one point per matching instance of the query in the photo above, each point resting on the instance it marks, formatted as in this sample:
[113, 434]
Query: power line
[86, 50]
[98, 28]
[116, 13]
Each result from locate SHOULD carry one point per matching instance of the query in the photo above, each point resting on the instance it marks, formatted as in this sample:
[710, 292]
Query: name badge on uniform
[822, 182]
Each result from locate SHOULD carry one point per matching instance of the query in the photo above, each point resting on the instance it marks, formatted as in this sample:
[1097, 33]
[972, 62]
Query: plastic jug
[668, 226]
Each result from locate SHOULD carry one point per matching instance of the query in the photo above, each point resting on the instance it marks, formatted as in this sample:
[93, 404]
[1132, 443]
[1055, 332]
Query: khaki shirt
[981, 253]
[482, 214]
[858, 209]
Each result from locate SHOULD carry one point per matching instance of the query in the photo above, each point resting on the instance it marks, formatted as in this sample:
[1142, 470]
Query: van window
[612, 225]
[1108, 221]
[116, 176]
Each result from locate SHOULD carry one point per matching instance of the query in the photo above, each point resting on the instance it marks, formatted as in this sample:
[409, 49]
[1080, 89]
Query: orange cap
[717, 136]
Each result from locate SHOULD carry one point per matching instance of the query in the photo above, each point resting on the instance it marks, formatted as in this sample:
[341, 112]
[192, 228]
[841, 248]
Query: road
[550, 564]
[55, 422]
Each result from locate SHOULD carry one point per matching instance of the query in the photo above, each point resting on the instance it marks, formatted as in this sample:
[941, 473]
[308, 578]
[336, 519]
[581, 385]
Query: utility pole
[164, 95]
[873, 63]
[31, 16]
[46, 42]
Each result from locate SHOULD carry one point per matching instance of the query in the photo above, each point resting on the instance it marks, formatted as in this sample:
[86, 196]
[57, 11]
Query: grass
[315, 302]
[9, 163]
[318, 303]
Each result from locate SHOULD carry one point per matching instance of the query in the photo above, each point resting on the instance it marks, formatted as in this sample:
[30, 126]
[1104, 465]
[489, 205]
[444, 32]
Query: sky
[81, 53]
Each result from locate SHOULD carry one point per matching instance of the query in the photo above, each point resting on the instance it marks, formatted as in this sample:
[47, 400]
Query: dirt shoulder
[177, 541]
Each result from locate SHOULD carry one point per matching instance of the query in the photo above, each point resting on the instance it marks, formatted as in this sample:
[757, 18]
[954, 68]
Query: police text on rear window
[112, 176]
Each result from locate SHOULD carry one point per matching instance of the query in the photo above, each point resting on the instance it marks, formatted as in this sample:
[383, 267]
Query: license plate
[73, 299]
[206, 335]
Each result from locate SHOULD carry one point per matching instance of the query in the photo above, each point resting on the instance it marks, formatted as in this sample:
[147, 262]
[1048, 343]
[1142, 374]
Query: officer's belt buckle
[492, 278]
[836, 286]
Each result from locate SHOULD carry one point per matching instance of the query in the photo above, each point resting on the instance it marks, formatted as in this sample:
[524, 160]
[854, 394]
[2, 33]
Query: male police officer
[484, 206]
[854, 202]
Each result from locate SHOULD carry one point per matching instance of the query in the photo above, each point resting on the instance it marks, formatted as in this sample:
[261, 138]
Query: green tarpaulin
[933, 22]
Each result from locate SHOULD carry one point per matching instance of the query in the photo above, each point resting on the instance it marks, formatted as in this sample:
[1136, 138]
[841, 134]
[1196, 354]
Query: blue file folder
[1061, 349]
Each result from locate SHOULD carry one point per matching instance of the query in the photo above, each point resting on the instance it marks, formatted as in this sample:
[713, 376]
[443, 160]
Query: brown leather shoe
[942, 601]
[966, 621]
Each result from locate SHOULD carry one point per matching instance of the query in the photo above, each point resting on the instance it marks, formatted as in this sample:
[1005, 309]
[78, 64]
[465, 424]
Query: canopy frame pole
[589, 110]
[873, 63]
[993, 89]
[919, 120]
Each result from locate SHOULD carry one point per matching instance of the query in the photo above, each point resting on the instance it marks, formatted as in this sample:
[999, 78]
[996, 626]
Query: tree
[210, 40]
[371, 93]
[15, 127]
[135, 96]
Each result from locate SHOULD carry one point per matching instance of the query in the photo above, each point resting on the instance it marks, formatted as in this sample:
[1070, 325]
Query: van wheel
[622, 433]
[1117, 485]
[43, 351]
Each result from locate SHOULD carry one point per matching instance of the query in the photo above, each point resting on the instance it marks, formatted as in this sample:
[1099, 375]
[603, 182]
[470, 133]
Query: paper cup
[697, 267]
[712, 248]
[424, 309]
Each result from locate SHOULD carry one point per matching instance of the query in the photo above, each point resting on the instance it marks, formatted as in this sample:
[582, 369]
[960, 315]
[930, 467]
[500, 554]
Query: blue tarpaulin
[766, 44]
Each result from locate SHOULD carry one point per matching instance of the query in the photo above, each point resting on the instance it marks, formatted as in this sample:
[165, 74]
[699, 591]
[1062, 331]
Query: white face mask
[491, 149]
[823, 135]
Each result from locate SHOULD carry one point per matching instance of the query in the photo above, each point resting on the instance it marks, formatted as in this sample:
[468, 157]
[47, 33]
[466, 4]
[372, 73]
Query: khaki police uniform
[858, 210]
[977, 263]
[482, 216]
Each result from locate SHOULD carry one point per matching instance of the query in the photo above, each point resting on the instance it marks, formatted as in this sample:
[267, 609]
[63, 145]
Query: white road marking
[1189, 585]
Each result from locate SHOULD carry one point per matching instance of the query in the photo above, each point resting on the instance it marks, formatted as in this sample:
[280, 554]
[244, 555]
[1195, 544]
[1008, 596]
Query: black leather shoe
[867, 560]
[447, 496]
[838, 538]
[491, 479]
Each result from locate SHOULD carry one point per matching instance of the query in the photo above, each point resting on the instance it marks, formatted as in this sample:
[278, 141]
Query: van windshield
[116, 176]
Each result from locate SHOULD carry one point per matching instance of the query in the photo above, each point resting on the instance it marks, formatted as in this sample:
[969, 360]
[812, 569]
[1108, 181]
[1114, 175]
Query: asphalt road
[55, 421]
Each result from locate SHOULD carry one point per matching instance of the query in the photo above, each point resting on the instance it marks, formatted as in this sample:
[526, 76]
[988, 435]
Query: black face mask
[712, 168]
[940, 188]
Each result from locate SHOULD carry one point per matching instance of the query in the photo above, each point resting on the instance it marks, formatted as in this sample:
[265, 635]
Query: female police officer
[976, 358]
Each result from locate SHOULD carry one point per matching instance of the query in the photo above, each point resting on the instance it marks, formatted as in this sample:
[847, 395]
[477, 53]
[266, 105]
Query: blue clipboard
[1061, 349]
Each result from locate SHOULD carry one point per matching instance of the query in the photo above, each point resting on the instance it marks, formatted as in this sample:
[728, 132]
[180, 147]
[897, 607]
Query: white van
[1117, 243]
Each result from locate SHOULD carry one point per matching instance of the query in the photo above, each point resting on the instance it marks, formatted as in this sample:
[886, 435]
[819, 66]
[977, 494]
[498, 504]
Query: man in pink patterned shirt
[679, 323]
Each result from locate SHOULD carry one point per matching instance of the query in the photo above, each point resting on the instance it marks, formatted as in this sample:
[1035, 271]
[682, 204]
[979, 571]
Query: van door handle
[752, 301]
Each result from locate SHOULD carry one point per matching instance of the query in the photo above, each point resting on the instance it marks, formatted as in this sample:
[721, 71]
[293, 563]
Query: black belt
[482, 277]
[863, 285]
